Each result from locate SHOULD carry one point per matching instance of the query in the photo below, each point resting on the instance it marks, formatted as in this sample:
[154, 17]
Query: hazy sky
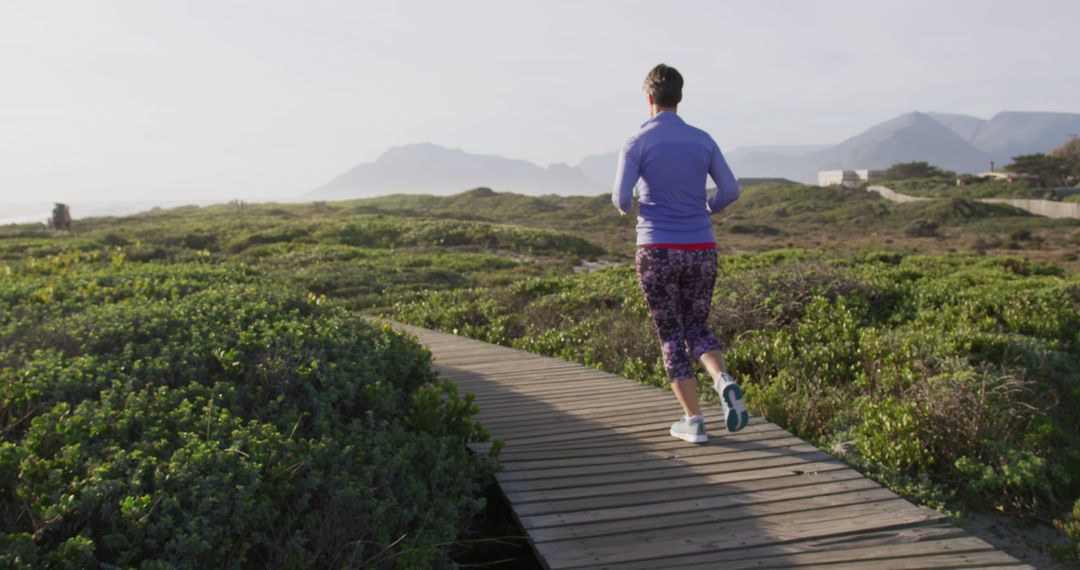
[201, 99]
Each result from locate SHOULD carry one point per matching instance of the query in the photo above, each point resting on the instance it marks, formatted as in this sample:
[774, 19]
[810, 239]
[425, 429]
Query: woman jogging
[676, 255]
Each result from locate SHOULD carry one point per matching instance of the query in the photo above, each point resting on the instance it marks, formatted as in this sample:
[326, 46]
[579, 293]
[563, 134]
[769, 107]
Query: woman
[676, 256]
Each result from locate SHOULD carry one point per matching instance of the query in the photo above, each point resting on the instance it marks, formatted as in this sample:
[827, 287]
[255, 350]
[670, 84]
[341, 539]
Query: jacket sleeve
[727, 187]
[626, 177]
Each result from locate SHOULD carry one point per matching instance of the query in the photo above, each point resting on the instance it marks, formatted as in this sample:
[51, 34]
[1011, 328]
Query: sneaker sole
[692, 438]
[737, 416]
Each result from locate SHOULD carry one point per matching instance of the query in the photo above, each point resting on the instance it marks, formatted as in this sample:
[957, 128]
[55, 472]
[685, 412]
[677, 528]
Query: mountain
[964, 125]
[427, 168]
[789, 161]
[907, 138]
[600, 167]
[752, 161]
[955, 142]
[765, 163]
[1013, 133]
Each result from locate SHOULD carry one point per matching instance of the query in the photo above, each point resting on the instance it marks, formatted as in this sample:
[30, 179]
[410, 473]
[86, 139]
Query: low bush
[1071, 525]
[387, 232]
[757, 229]
[922, 228]
[190, 416]
[971, 188]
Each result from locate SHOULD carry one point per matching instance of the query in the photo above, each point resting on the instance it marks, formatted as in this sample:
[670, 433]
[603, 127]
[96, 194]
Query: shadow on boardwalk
[596, 481]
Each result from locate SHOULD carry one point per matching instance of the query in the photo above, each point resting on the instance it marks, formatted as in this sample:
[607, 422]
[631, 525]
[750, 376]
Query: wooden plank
[980, 559]
[524, 365]
[522, 372]
[642, 466]
[626, 394]
[734, 534]
[558, 421]
[526, 408]
[692, 491]
[561, 436]
[544, 382]
[727, 510]
[567, 404]
[527, 458]
[603, 483]
[754, 432]
[583, 518]
[578, 426]
[659, 431]
[573, 393]
[449, 350]
[515, 375]
[901, 543]
[541, 419]
[633, 456]
[537, 385]
[705, 477]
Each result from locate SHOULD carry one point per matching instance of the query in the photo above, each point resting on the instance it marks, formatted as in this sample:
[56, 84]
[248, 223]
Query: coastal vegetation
[192, 415]
[189, 386]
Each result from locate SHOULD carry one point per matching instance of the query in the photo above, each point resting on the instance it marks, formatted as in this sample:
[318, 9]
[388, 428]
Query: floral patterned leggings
[678, 287]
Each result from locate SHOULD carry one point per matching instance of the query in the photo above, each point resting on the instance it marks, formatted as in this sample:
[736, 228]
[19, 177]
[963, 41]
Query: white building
[850, 178]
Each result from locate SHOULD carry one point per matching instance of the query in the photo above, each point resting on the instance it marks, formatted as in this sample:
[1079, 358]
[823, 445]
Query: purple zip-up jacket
[672, 159]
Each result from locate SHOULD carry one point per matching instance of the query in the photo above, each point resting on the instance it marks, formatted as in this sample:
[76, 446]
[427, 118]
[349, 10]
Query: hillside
[223, 344]
[770, 216]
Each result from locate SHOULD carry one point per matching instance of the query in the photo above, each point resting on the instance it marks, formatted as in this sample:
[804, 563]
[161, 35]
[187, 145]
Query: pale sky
[218, 99]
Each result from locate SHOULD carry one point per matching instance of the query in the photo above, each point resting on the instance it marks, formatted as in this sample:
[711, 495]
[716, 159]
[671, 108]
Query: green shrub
[189, 416]
[1013, 478]
[922, 228]
[755, 229]
[889, 436]
[385, 232]
[973, 189]
[1071, 525]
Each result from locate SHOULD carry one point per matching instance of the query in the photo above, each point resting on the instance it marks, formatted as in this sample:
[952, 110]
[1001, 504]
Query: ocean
[39, 212]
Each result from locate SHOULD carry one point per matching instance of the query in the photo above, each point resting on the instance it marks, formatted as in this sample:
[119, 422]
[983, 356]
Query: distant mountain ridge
[1014, 133]
[427, 168]
[951, 141]
[955, 142]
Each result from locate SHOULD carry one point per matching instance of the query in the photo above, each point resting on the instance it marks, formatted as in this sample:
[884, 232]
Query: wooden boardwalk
[596, 481]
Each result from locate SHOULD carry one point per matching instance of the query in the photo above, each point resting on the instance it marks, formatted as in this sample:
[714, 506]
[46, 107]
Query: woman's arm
[727, 187]
[626, 177]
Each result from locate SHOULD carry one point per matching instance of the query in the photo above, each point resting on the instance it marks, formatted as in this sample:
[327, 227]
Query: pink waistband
[682, 245]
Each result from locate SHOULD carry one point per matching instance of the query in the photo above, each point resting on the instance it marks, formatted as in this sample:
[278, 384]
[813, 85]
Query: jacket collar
[663, 116]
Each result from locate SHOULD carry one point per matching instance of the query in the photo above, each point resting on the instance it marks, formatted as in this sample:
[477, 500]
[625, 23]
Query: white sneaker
[731, 397]
[691, 431]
